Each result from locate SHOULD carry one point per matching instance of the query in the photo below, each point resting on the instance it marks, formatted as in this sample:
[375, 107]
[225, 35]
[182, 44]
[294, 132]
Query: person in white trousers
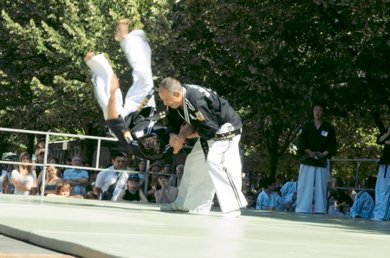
[214, 165]
[134, 122]
[382, 187]
[138, 54]
[316, 144]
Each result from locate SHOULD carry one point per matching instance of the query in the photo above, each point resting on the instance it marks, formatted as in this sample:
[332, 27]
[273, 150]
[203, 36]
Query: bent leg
[102, 74]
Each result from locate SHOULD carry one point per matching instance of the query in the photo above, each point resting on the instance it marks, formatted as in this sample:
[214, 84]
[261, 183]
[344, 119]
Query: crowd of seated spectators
[159, 182]
[281, 195]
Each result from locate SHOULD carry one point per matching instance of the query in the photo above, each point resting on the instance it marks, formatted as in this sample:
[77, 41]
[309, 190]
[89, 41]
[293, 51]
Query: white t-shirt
[108, 177]
[27, 180]
[3, 174]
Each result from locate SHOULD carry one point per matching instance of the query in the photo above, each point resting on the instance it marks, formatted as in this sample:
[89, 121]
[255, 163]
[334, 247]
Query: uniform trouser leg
[321, 186]
[101, 78]
[196, 191]
[305, 189]
[382, 192]
[138, 54]
[312, 185]
[224, 166]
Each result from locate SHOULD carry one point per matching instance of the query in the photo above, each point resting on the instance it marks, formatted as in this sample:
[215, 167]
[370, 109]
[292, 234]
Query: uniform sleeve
[332, 143]
[284, 189]
[302, 142]
[260, 203]
[278, 202]
[119, 128]
[207, 124]
[379, 136]
[174, 122]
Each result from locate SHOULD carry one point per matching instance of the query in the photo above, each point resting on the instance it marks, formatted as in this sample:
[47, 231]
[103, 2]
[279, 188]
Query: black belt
[158, 115]
[146, 100]
[227, 135]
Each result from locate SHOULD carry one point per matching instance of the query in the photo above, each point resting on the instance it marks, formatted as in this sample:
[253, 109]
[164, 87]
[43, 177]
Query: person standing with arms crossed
[214, 165]
[316, 144]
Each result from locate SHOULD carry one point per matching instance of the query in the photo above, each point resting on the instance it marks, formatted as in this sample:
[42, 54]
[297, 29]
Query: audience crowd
[158, 182]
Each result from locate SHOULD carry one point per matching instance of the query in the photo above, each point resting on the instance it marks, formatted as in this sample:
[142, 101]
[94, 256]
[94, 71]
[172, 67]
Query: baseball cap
[133, 177]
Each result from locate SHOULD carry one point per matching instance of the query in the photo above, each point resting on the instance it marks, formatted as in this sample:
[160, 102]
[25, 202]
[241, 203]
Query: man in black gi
[214, 165]
[153, 143]
[316, 144]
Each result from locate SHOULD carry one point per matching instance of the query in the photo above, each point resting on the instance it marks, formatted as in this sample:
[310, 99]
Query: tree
[46, 85]
[279, 56]
[270, 59]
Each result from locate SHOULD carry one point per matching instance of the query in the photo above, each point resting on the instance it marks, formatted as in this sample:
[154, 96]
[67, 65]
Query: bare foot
[88, 56]
[122, 29]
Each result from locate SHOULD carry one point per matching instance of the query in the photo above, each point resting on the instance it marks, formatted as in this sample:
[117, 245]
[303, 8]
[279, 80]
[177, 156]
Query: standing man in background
[382, 186]
[316, 144]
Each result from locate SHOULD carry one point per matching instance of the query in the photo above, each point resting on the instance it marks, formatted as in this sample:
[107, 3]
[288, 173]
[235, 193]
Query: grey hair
[170, 84]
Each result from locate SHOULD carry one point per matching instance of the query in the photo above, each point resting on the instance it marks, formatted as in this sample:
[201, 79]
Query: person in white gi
[382, 187]
[138, 54]
[135, 123]
[214, 165]
[268, 199]
[289, 192]
[363, 205]
[111, 176]
[316, 144]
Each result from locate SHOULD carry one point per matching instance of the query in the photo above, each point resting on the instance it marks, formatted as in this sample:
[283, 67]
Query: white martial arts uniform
[271, 201]
[382, 187]
[363, 206]
[382, 193]
[138, 55]
[311, 189]
[220, 174]
[214, 164]
[288, 189]
[287, 192]
[314, 171]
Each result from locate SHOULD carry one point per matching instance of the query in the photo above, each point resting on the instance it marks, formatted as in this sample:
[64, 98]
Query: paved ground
[89, 228]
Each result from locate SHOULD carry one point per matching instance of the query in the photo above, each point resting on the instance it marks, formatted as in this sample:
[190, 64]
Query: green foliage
[280, 56]
[270, 58]
[45, 83]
